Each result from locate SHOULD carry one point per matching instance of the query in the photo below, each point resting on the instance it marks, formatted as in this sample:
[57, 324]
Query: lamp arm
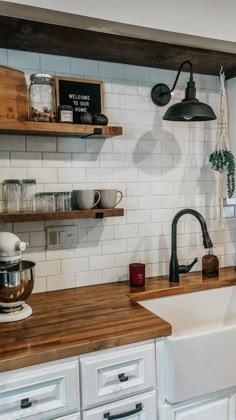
[179, 71]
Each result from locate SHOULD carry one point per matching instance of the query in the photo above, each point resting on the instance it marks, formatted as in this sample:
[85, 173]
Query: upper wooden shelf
[59, 215]
[28, 35]
[58, 129]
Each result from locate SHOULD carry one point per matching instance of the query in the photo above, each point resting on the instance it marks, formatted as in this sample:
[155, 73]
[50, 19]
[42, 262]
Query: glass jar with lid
[28, 190]
[11, 195]
[42, 101]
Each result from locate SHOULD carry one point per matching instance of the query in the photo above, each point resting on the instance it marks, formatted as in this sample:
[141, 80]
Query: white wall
[161, 167]
[205, 18]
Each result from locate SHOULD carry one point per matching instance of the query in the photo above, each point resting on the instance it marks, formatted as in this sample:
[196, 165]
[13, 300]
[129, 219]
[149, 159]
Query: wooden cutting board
[13, 95]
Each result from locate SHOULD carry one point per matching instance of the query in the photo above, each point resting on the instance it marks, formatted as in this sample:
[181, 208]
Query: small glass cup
[11, 195]
[46, 201]
[63, 201]
[28, 190]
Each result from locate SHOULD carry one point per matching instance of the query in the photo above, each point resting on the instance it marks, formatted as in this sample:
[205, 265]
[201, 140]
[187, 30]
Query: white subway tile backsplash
[12, 173]
[54, 63]
[126, 231]
[102, 261]
[41, 144]
[37, 239]
[59, 254]
[100, 233]
[88, 278]
[12, 142]
[4, 159]
[47, 268]
[60, 282]
[29, 227]
[98, 175]
[45, 176]
[40, 285]
[160, 166]
[71, 175]
[112, 70]
[115, 274]
[137, 73]
[85, 160]
[82, 66]
[56, 160]
[70, 144]
[123, 260]
[3, 57]
[114, 101]
[23, 59]
[74, 265]
[126, 174]
[97, 146]
[88, 249]
[137, 102]
[125, 87]
[26, 159]
[113, 247]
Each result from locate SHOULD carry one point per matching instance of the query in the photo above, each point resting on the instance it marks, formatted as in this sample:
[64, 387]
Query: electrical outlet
[61, 237]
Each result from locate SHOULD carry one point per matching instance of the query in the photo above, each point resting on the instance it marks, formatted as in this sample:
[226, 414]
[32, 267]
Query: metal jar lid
[28, 181]
[65, 108]
[41, 76]
[11, 181]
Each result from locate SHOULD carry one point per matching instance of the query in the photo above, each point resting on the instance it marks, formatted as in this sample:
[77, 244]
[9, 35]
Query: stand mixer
[16, 279]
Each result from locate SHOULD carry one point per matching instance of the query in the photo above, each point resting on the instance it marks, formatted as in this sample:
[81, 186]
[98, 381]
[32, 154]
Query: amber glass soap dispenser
[210, 265]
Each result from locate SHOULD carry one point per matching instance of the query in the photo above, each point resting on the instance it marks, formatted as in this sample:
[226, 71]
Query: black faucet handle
[187, 268]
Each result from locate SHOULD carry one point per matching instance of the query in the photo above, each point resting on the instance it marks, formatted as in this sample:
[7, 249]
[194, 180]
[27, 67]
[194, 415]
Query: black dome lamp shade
[190, 108]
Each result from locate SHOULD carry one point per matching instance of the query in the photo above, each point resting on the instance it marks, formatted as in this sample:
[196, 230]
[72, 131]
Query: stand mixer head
[16, 279]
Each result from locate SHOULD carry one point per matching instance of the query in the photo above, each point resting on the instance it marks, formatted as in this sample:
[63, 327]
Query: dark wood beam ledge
[27, 35]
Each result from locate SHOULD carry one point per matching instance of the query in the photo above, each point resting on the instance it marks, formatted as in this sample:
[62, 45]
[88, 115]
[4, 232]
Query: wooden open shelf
[58, 129]
[59, 215]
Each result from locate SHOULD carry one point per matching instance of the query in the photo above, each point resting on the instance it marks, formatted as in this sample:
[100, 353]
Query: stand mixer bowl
[16, 285]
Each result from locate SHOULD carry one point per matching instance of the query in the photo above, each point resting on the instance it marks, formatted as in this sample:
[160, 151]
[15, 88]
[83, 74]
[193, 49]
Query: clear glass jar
[38, 202]
[11, 195]
[63, 201]
[28, 190]
[46, 201]
[42, 101]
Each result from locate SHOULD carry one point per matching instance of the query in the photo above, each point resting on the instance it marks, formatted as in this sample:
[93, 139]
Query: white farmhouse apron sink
[200, 355]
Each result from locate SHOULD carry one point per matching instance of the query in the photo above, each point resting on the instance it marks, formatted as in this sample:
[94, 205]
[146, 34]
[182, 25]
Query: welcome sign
[82, 95]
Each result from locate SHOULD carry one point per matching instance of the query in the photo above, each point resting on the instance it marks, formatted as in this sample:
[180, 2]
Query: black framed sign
[83, 95]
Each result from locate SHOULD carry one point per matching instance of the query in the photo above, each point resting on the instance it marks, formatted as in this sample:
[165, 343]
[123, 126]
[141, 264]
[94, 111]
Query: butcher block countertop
[70, 322]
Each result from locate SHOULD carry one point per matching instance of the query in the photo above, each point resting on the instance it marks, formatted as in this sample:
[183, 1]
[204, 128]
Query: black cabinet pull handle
[138, 408]
[25, 403]
[123, 378]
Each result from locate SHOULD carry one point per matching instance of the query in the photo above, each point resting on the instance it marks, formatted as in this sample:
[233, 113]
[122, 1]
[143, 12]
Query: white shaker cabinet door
[221, 408]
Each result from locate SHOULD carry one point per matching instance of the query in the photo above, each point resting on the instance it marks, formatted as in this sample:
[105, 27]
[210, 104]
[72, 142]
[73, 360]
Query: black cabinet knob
[123, 378]
[25, 403]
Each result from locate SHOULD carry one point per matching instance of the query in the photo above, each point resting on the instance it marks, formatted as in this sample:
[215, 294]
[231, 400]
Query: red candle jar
[137, 275]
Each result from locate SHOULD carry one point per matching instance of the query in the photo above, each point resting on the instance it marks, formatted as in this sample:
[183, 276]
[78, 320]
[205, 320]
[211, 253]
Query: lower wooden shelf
[58, 129]
[59, 215]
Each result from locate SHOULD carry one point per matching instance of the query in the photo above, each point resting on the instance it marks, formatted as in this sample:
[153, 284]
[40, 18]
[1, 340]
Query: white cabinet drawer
[42, 392]
[140, 407]
[109, 375]
[75, 416]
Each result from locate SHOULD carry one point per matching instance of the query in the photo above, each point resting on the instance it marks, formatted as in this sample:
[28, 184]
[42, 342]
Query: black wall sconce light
[190, 108]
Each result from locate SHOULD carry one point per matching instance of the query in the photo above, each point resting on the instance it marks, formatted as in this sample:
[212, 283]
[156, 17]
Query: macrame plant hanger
[222, 159]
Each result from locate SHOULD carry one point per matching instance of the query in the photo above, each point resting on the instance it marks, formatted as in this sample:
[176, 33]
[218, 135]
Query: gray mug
[109, 198]
[84, 199]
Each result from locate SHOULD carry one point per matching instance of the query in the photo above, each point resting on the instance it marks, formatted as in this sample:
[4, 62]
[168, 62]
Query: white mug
[109, 198]
[84, 199]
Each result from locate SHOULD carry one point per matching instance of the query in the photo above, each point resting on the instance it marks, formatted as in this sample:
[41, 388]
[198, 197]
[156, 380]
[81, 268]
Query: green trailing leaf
[223, 160]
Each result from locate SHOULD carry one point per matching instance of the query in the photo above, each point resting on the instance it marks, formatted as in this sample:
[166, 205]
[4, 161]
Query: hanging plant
[223, 160]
